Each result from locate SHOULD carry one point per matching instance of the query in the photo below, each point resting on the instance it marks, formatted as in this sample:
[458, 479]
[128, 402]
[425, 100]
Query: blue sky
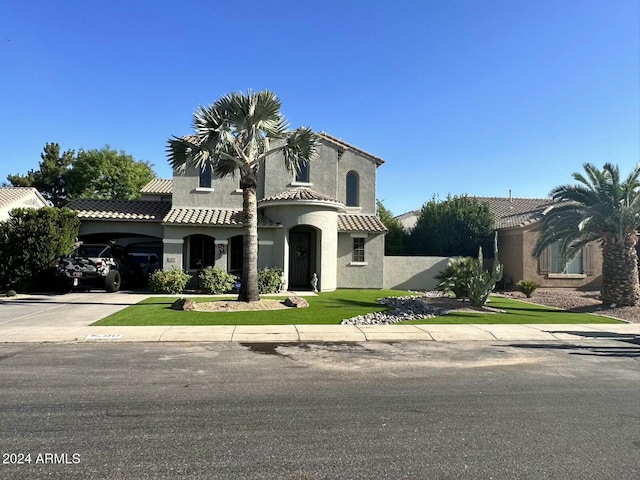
[457, 96]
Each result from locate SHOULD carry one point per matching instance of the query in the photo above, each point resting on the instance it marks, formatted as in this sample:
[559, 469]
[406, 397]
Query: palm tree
[600, 207]
[233, 136]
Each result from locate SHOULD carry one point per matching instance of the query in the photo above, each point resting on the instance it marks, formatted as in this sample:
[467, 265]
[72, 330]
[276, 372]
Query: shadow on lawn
[593, 350]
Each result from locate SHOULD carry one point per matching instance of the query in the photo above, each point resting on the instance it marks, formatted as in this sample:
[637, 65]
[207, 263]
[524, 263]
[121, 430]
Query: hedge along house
[322, 220]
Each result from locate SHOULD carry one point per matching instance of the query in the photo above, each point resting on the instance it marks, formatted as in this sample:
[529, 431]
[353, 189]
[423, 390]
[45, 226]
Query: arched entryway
[303, 248]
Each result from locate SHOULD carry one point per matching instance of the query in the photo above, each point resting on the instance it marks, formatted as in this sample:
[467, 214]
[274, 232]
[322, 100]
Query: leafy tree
[103, 173]
[600, 207]
[396, 238]
[30, 242]
[233, 136]
[107, 174]
[49, 179]
[457, 226]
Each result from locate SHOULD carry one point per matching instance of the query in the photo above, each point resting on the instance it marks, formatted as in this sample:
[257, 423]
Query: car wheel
[112, 281]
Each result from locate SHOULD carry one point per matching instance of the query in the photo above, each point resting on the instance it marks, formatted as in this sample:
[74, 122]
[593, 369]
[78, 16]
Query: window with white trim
[302, 173]
[206, 173]
[357, 254]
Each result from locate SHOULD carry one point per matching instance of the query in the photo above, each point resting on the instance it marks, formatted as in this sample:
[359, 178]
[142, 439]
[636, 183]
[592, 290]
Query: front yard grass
[332, 308]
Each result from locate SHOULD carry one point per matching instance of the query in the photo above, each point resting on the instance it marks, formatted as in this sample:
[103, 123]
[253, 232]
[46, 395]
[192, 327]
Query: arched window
[353, 188]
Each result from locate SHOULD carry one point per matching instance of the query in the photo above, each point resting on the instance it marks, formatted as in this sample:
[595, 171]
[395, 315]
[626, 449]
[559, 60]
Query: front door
[299, 260]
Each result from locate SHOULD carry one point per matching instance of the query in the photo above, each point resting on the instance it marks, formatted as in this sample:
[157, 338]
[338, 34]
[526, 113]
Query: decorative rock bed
[402, 309]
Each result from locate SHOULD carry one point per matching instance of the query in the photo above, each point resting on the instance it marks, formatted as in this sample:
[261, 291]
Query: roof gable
[11, 195]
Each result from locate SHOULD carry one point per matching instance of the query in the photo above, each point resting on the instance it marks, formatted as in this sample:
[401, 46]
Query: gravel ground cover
[578, 301]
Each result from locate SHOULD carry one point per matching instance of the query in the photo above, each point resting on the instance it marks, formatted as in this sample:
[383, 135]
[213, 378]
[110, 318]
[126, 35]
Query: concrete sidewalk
[64, 319]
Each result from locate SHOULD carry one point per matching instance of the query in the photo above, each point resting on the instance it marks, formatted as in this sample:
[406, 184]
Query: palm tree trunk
[249, 288]
[620, 274]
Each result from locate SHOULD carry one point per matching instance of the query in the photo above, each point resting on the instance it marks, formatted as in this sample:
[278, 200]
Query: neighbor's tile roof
[342, 144]
[300, 193]
[129, 210]
[9, 195]
[213, 217]
[158, 186]
[516, 212]
[360, 223]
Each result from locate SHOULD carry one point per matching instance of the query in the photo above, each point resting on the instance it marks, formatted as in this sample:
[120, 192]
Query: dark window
[352, 189]
[205, 176]
[235, 253]
[358, 250]
[302, 174]
[202, 251]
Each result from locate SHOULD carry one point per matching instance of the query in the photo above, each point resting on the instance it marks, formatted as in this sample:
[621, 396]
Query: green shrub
[11, 293]
[216, 281]
[30, 242]
[168, 281]
[456, 277]
[269, 280]
[527, 287]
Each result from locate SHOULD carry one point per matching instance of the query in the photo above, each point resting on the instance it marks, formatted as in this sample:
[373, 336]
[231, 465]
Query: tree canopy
[104, 173]
[107, 174]
[395, 242]
[49, 179]
[457, 226]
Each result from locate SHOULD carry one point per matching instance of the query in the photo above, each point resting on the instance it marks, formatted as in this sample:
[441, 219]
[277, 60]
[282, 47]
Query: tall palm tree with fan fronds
[233, 136]
[601, 207]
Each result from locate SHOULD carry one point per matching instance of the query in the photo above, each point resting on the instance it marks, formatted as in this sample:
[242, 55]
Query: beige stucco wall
[412, 272]
[352, 275]
[516, 248]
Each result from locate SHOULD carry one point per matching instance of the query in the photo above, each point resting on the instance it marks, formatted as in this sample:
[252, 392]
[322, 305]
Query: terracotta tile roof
[9, 195]
[360, 223]
[342, 144]
[158, 186]
[299, 193]
[128, 210]
[212, 216]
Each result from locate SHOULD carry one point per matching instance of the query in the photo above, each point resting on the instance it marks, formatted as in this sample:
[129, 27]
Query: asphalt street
[419, 410]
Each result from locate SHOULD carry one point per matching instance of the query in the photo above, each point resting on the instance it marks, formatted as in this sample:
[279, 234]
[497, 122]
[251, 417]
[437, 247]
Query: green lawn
[516, 312]
[332, 308]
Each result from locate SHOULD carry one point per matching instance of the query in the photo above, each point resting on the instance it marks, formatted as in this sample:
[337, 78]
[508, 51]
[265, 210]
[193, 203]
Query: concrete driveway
[77, 309]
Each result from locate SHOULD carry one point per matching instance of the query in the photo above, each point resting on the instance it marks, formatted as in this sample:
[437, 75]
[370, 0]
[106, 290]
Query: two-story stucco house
[321, 220]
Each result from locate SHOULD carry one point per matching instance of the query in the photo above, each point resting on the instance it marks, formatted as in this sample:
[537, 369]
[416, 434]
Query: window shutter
[544, 262]
[587, 259]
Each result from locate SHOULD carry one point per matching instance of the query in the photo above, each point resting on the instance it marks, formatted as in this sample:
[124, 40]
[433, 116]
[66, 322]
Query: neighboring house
[19, 197]
[321, 220]
[517, 222]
